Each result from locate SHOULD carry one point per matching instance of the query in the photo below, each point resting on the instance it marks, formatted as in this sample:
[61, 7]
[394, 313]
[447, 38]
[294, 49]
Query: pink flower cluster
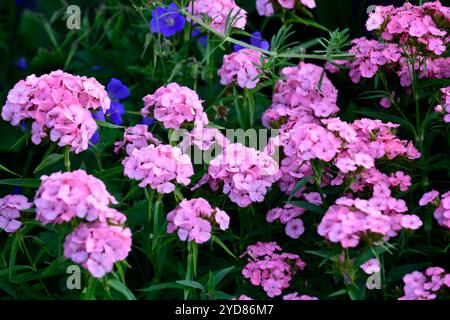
[174, 105]
[64, 196]
[218, 12]
[158, 166]
[444, 107]
[193, 220]
[380, 217]
[97, 246]
[349, 147]
[425, 286]
[296, 296]
[298, 97]
[269, 269]
[136, 137]
[266, 7]
[246, 173]
[58, 105]
[243, 67]
[10, 207]
[288, 215]
[442, 212]
[370, 56]
[419, 26]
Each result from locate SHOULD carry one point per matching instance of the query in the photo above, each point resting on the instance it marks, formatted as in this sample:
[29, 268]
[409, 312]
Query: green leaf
[191, 284]
[120, 287]
[22, 182]
[105, 124]
[48, 161]
[3, 168]
[106, 174]
[297, 187]
[220, 243]
[307, 206]
[220, 274]
[162, 286]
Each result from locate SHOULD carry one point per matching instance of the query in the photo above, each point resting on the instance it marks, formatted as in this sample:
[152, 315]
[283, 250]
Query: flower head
[167, 20]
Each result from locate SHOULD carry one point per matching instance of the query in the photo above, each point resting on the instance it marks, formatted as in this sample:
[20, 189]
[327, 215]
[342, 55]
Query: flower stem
[191, 267]
[67, 158]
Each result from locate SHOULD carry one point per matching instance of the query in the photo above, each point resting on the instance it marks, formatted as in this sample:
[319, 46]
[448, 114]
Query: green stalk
[251, 105]
[67, 158]
[191, 267]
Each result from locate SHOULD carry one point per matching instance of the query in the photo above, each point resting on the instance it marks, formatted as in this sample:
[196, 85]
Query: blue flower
[21, 63]
[167, 21]
[202, 39]
[256, 40]
[148, 121]
[116, 91]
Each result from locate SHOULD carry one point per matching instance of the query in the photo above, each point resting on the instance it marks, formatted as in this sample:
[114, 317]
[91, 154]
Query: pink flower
[265, 7]
[218, 13]
[424, 286]
[245, 172]
[193, 219]
[371, 266]
[58, 105]
[411, 221]
[64, 196]
[158, 167]
[442, 212]
[98, 246]
[271, 270]
[297, 99]
[136, 137]
[242, 67]
[296, 296]
[10, 207]
[444, 107]
[174, 105]
[294, 228]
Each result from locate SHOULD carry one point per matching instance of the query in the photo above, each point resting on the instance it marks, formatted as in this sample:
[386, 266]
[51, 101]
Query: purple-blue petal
[95, 138]
[116, 107]
[116, 118]
[148, 121]
[98, 115]
[117, 90]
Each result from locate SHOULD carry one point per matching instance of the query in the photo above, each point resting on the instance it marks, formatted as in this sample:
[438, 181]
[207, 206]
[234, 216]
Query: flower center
[170, 22]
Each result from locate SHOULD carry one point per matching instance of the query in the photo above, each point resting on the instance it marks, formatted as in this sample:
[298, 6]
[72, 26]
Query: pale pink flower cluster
[378, 218]
[370, 56]
[158, 167]
[193, 220]
[371, 266]
[218, 12]
[289, 216]
[442, 212]
[10, 207]
[414, 25]
[62, 197]
[444, 107]
[58, 106]
[269, 269]
[425, 286]
[97, 246]
[246, 173]
[298, 96]
[349, 147]
[204, 138]
[243, 67]
[266, 7]
[296, 296]
[136, 137]
[174, 105]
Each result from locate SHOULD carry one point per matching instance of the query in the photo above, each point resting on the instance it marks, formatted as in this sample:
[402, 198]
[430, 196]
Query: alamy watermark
[73, 21]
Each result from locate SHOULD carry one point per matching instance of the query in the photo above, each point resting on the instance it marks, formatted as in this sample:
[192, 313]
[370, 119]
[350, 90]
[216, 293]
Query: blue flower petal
[117, 90]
